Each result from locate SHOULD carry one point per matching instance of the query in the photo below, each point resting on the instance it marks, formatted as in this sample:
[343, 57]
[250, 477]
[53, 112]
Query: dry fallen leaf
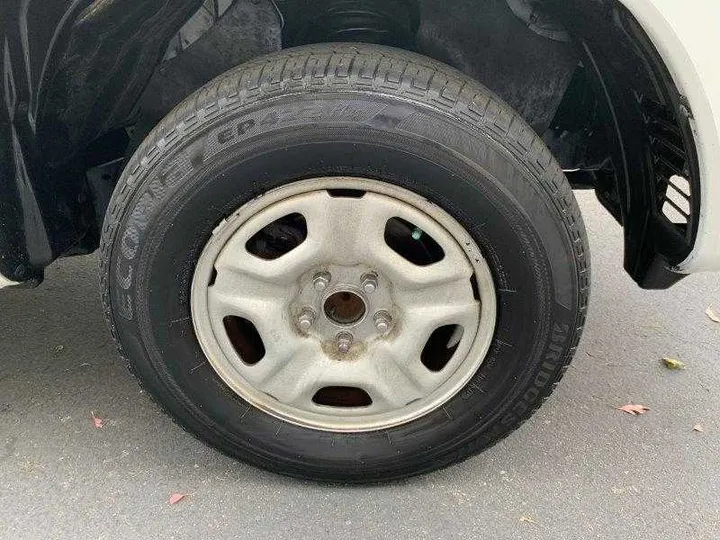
[527, 519]
[634, 409]
[698, 428]
[673, 363]
[712, 315]
[97, 422]
[176, 498]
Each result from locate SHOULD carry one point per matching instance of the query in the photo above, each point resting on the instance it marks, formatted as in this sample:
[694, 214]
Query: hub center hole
[344, 307]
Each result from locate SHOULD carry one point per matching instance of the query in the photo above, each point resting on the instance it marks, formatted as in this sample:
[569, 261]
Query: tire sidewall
[184, 192]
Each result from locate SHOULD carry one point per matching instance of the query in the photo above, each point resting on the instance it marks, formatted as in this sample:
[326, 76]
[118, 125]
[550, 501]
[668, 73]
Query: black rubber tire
[355, 110]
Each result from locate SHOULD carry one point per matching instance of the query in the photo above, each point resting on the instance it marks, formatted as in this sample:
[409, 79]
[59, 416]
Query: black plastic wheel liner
[645, 118]
[71, 72]
[74, 71]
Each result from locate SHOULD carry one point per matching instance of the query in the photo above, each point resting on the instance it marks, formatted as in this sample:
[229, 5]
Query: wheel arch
[633, 59]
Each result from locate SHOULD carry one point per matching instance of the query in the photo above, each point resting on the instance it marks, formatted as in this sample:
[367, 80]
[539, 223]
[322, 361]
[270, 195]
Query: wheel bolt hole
[344, 307]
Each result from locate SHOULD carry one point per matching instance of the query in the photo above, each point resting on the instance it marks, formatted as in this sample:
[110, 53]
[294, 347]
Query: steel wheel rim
[344, 241]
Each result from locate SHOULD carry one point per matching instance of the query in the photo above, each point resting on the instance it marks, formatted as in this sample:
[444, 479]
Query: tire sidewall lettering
[171, 173]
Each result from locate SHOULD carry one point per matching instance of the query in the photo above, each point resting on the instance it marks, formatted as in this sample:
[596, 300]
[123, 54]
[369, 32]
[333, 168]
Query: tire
[350, 111]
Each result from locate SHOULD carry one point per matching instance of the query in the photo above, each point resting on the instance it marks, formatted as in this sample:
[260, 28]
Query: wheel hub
[353, 307]
[379, 310]
[344, 307]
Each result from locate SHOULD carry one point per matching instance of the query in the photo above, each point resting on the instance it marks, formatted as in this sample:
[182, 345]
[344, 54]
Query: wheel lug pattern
[321, 281]
[344, 341]
[369, 283]
[382, 321]
[306, 319]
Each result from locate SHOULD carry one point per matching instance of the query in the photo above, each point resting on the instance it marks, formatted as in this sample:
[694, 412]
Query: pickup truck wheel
[346, 263]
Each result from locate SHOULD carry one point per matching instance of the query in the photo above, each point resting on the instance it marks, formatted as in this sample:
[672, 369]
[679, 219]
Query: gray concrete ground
[578, 469]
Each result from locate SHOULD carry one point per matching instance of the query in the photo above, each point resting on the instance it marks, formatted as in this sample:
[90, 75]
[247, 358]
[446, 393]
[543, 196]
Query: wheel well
[582, 73]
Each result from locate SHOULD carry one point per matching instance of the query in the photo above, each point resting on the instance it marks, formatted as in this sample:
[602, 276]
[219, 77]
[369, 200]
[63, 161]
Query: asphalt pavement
[579, 468]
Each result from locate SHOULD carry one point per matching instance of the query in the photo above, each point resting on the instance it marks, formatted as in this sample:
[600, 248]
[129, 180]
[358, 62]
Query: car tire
[348, 121]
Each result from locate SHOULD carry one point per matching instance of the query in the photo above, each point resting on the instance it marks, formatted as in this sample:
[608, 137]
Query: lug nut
[321, 281]
[306, 319]
[344, 341]
[382, 321]
[369, 283]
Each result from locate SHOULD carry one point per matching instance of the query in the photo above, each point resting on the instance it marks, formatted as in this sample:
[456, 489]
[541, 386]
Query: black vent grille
[674, 188]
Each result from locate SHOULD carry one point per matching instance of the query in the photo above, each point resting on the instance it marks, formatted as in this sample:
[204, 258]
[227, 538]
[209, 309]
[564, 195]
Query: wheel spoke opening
[342, 396]
[245, 339]
[279, 237]
[441, 347]
[412, 243]
[347, 193]
[475, 287]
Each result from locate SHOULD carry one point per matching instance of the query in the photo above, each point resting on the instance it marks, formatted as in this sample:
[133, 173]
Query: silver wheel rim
[308, 347]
